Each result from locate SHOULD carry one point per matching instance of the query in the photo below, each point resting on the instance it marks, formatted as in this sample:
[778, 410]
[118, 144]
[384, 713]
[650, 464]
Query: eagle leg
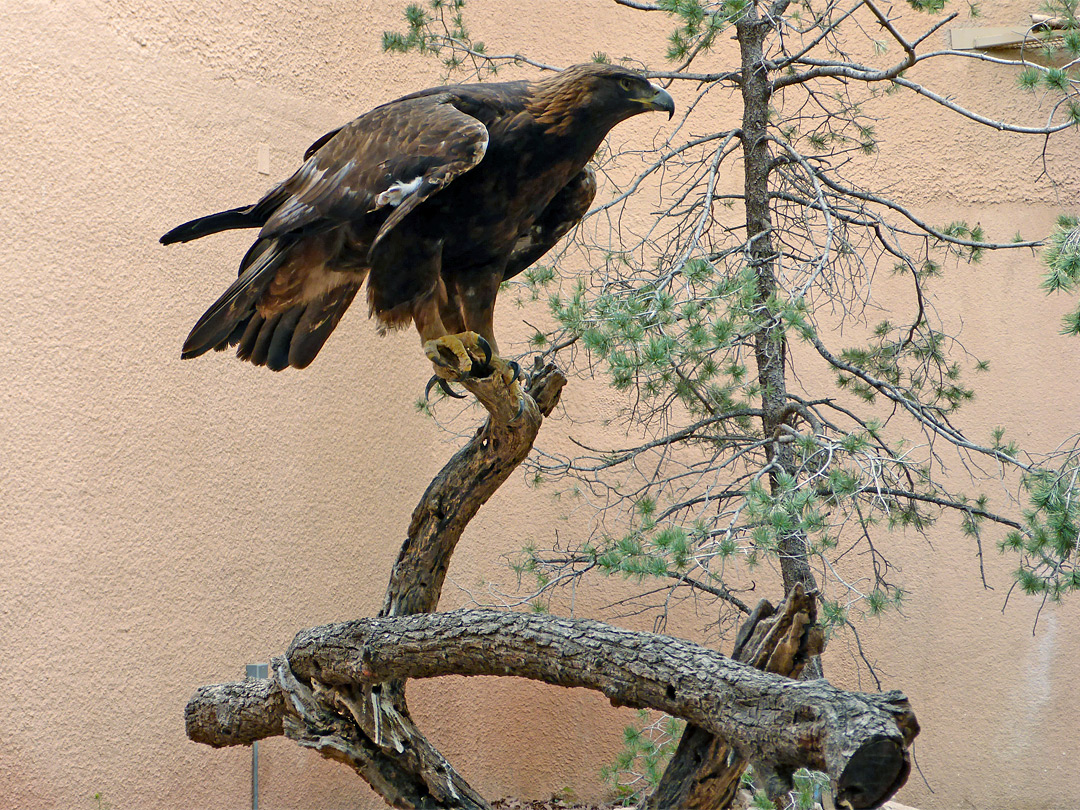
[468, 354]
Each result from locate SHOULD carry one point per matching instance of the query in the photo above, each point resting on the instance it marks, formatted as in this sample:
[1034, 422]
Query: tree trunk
[704, 771]
[770, 342]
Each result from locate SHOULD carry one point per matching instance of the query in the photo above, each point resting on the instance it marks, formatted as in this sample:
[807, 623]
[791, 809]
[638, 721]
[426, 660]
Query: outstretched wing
[310, 258]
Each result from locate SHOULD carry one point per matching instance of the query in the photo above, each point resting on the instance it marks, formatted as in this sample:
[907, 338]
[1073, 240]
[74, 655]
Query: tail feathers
[238, 302]
[293, 337]
[243, 217]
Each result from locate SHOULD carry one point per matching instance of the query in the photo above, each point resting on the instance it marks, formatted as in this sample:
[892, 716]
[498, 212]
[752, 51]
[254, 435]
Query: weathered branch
[860, 740]
[464, 485]
[235, 713]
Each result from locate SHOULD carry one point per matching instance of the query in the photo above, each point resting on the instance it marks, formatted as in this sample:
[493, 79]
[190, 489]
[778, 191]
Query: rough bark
[367, 726]
[768, 719]
[705, 772]
[339, 689]
[770, 341]
[464, 485]
[235, 713]
[387, 736]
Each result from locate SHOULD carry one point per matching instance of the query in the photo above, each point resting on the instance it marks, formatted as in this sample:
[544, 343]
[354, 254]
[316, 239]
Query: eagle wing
[299, 277]
[563, 212]
[398, 155]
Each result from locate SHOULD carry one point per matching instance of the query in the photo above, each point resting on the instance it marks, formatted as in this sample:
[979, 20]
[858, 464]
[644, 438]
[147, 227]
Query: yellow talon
[467, 354]
[458, 356]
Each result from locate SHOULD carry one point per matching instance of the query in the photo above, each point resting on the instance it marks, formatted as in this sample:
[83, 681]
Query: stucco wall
[166, 522]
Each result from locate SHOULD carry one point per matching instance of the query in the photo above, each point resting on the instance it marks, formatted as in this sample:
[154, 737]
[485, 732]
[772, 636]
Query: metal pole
[255, 671]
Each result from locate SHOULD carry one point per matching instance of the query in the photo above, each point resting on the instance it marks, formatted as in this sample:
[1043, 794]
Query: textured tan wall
[164, 523]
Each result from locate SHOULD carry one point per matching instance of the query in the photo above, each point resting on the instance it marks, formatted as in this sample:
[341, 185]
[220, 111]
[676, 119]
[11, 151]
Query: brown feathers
[434, 199]
[556, 99]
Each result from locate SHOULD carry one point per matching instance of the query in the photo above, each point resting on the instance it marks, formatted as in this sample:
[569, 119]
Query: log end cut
[234, 713]
[874, 773]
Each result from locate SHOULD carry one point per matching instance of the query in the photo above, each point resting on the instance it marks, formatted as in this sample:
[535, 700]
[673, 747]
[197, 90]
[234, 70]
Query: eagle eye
[626, 83]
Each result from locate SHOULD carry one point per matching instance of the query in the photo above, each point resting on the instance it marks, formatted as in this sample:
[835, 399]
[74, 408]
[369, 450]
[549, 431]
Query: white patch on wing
[397, 192]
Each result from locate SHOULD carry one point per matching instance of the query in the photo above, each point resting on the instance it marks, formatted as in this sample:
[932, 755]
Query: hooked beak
[661, 100]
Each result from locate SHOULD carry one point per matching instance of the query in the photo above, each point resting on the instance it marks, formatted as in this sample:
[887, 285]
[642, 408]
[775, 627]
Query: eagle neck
[559, 108]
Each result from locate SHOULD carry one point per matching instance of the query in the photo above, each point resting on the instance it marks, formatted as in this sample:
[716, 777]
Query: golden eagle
[435, 199]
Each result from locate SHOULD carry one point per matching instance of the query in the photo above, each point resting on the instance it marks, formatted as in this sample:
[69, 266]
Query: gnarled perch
[705, 772]
[339, 689]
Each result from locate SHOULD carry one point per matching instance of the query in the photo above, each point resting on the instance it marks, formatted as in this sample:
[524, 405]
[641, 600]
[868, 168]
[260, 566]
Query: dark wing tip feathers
[238, 302]
[288, 339]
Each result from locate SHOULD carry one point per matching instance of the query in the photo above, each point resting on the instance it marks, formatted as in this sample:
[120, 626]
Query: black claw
[444, 385]
[486, 347]
[520, 410]
[429, 386]
[516, 369]
[482, 369]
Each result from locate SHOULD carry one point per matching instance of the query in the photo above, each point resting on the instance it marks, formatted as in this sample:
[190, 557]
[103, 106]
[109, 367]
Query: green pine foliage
[438, 30]
[1062, 257]
[648, 744]
[1047, 544]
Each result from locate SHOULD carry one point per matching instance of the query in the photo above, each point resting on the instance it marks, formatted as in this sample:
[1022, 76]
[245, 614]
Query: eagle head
[597, 95]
